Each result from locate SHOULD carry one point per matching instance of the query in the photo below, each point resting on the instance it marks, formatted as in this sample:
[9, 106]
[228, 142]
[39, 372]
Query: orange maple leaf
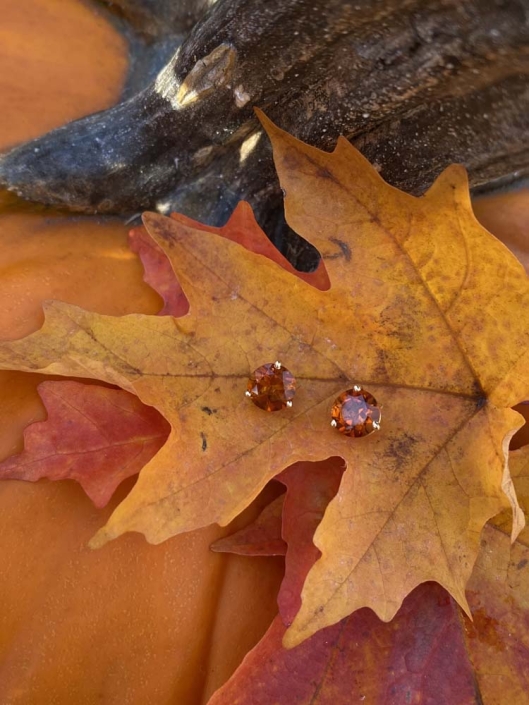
[418, 312]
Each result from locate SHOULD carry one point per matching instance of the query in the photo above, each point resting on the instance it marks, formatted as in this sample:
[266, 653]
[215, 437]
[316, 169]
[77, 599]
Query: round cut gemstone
[356, 413]
[271, 387]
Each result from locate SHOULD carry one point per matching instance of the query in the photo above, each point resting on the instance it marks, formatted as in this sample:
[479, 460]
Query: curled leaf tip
[99, 539]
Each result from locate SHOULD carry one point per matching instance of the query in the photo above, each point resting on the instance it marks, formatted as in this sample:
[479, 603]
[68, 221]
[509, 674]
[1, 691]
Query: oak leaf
[91, 428]
[260, 538]
[158, 273]
[412, 313]
[94, 435]
[418, 657]
[69, 611]
[497, 639]
[293, 519]
[241, 227]
[429, 652]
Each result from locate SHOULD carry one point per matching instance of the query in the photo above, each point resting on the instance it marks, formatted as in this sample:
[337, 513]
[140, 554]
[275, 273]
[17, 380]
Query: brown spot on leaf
[345, 250]
[207, 410]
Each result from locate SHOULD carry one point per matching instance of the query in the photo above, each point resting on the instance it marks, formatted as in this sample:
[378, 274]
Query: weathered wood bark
[415, 84]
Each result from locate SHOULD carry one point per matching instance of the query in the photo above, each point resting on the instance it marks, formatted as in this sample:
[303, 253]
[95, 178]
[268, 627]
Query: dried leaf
[74, 442]
[290, 520]
[412, 314]
[310, 488]
[241, 227]
[94, 435]
[519, 467]
[260, 538]
[429, 652]
[519, 464]
[497, 639]
[158, 273]
[418, 657]
[160, 615]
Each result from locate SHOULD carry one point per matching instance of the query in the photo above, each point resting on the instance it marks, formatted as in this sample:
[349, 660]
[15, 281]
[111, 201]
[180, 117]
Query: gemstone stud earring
[271, 387]
[356, 413]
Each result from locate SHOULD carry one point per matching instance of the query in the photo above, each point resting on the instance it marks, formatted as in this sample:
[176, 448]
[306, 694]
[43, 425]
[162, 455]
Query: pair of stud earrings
[354, 413]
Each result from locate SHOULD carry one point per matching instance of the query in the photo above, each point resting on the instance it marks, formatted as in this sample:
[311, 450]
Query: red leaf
[310, 488]
[94, 435]
[429, 653]
[418, 657]
[498, 637]
[158, 273]
[241, 227]
[260, 538]
[99, 436]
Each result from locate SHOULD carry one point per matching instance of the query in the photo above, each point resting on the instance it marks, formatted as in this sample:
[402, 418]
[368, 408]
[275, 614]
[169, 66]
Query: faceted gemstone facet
[356, 413]
[271, 387]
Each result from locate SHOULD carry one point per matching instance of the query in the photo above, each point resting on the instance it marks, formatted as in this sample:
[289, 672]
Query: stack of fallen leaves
[414, 301]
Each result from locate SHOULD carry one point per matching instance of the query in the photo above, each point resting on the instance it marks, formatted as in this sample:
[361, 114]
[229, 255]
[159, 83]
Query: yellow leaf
[426, 310]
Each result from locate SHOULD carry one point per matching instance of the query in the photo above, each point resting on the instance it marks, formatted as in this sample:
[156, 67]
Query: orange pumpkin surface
[132, 623]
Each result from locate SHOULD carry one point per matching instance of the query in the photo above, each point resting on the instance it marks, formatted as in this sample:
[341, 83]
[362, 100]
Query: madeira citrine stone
[271, 387]
[356, 413]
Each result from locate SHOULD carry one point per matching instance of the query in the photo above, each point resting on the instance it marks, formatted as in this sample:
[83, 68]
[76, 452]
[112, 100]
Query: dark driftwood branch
[415, 84]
